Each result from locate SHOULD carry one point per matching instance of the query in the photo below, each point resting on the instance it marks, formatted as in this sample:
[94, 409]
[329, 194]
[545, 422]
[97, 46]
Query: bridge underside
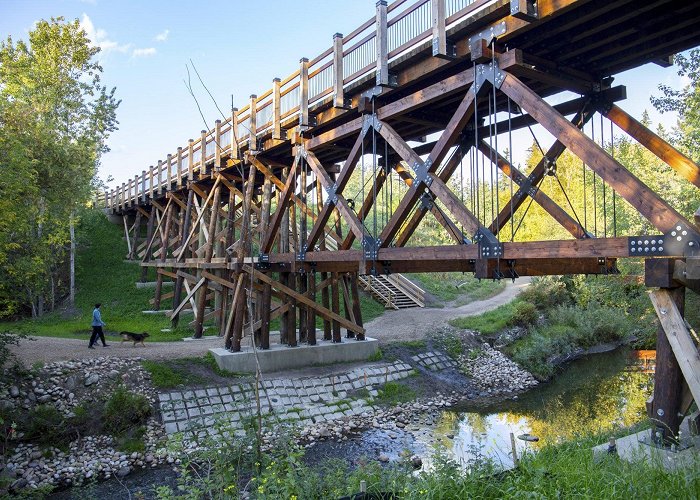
[269, 222]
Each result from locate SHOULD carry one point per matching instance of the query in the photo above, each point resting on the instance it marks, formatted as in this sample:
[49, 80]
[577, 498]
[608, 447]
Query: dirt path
[406, 324]
[413, 324]
[49, 349]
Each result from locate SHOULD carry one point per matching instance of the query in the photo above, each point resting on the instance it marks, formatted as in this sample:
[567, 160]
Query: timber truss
[266, 227]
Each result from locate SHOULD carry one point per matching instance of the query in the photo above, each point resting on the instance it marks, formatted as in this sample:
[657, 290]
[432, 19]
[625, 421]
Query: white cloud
[150, 51]
[162, 36]
[99, 38]
[91, 2]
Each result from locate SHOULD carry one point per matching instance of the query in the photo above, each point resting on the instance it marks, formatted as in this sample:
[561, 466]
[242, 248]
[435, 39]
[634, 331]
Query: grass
[490, 322]
[458, 287]
[102, 275]
[566, 470]
[183, 371]
[163, 375]
[393, 393]
[376, 356]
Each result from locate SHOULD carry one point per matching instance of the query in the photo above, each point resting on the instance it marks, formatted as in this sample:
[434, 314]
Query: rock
[383, 458]
[14, 392]
[18, 484]
[113, 374]
[416, 462]
[91, 379]
[45, 398]
[528, 437]
[123, 471]
[36, 455]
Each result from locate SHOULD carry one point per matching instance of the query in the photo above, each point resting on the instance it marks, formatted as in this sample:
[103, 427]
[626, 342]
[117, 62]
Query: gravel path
[414, 324]
[405, 324]
[49, 349]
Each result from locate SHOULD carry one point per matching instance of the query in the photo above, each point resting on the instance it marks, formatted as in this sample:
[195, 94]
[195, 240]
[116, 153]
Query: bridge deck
[572, 45]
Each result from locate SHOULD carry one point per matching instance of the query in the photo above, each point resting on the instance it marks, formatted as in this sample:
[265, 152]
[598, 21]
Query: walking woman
[97, 325]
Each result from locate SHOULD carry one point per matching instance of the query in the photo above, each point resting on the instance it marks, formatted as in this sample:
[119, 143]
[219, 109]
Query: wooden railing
[367, 50]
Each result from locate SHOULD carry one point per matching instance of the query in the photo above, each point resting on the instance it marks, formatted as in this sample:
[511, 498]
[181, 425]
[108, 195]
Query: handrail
[361, 53]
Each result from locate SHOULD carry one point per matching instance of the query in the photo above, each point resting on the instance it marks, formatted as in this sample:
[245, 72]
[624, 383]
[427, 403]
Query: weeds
[393, 393]
[378, 355]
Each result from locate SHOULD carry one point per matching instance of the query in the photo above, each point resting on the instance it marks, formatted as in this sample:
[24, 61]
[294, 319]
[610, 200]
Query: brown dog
[136, 338]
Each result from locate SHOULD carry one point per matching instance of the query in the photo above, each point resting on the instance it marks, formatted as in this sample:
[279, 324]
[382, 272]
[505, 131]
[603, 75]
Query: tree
[55, 117]
[686, 102]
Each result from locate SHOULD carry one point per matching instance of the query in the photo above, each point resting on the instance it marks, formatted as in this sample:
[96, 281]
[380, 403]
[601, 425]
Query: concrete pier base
[282, 357]
[637, 447]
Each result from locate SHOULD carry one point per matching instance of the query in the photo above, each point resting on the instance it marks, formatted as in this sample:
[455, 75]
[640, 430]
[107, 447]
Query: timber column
[665, 406]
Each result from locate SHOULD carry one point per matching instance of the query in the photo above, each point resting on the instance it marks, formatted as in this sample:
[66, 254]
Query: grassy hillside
[102, 275]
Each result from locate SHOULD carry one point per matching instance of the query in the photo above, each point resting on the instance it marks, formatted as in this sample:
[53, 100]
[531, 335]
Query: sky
[237, 46]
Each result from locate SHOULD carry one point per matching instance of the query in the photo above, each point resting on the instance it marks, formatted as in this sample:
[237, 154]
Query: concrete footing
[639, 447]
[282, 357]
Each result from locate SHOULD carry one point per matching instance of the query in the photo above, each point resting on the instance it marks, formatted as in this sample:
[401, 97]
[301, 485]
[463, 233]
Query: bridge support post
[665, 406]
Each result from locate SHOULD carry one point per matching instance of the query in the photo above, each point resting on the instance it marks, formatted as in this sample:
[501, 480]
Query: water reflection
[592, 395]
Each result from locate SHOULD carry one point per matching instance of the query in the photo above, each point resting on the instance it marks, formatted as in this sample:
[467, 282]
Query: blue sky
[238, 47]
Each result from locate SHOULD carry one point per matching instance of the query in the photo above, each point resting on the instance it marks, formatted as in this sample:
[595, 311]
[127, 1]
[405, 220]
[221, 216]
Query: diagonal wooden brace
[657, 211]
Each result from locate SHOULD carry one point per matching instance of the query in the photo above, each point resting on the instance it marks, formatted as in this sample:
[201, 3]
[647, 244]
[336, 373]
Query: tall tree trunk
[71, 295]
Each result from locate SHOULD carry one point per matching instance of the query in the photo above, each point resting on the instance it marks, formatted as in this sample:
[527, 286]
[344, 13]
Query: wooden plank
[340, 184]
[656, 210]
[684, 349]
[181, 251]
[662, 149]
[549, 205]
[188, 297]
[282, 206]
[304, 300]
[338, 94]
[303, 94]
[382, 43]
[346, 212]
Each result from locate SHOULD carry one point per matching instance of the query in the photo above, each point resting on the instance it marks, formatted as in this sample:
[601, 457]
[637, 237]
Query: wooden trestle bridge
[252, 220]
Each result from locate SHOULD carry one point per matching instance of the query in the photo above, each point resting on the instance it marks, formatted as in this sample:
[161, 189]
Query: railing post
[440, 46]
[143, 186]
[217, 147]
[190, 160]
[303, 94]
[253, 124]
[382, 75]
[122, 198]
[136, 190]
[159, 187]
[338, 95]
[179, 167]
[128, 191]
[276, 110]
[169, 175]
[203, 154]
[150, 181]
[234, 133]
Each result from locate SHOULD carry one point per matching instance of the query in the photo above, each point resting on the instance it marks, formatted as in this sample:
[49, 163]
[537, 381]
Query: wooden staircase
[395, 291]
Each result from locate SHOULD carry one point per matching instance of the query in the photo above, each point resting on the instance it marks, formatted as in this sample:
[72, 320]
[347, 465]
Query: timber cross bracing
[255, 219]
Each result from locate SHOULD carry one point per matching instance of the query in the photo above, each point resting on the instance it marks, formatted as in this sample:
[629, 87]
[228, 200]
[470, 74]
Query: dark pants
[97, 330]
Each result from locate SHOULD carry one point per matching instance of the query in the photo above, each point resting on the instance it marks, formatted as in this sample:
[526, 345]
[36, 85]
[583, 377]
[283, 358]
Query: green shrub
[47, 426]
[125, 410]
[547, 293]
[525, 314]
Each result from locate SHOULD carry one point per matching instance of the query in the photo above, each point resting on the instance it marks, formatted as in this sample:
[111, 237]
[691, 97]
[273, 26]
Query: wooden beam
[188, 297]
[662, 149]
[282, 207]
[684, 349]
[304, 300]
[656, 210]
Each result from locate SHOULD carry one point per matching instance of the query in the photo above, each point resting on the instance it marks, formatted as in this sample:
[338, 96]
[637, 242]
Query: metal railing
[404, 29]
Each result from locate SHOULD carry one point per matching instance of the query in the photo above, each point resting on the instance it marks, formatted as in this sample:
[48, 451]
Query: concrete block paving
[296, 401]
